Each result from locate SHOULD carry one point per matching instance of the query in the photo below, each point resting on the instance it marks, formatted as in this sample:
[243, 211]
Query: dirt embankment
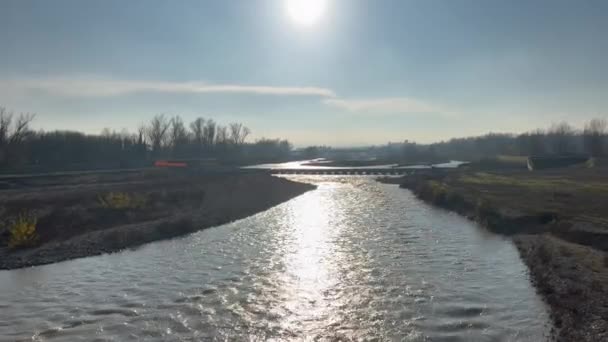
[557, 220]
[78, 216]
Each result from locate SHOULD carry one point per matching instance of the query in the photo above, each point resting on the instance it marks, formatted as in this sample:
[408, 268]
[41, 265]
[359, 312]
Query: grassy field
[570, 193]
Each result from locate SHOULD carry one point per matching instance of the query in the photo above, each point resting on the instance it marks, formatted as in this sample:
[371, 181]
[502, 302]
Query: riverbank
[348, 163]
[78, 216]
[371, 163]
[557, 220]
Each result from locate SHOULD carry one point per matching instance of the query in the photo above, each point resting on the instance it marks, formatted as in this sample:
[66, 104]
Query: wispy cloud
[388, 105]
[100, 87]
[86, 86]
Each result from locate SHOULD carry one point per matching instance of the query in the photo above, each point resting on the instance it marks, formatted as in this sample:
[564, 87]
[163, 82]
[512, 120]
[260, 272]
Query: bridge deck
[343, 171]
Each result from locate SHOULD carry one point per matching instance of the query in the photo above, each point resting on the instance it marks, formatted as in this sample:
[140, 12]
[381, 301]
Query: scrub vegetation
[83, 215]
[22, 231]
[558, 220]
[122, 201]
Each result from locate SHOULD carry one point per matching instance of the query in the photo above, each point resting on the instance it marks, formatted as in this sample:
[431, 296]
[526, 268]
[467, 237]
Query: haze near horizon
[331, 72]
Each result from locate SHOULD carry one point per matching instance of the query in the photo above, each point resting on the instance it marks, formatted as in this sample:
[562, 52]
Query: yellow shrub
[121, 200]
[23, 232]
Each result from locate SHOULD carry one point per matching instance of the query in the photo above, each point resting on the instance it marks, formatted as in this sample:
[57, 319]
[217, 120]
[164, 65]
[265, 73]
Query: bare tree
[141, 135]
[560, 135]
[178, 136]
[126, 139]
[21, 128]
[197, 128]
[6, 119]
[157, 132]
[141, 146]
[177, 132]
[594, 136]
[238, 133]
[222, 137]
[15, 133]
[106, 133]
[209, 133]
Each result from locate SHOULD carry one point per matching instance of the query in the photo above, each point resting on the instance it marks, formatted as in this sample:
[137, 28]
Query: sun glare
[305, 12]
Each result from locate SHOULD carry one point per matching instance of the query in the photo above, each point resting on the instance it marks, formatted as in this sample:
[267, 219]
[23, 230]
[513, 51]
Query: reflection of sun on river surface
[353, 259]
[310, 260]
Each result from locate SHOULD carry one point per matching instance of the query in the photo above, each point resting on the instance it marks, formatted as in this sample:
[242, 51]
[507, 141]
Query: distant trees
[559, 138]
[197, 127]
[531, 143]
[170, 137]
[13, 133]
[161, 137]
[221, 137]
[201, 138]
[269, 150]
[209, 133]
[157, 133]
[179, 138]
[238, 133]
[594, 135]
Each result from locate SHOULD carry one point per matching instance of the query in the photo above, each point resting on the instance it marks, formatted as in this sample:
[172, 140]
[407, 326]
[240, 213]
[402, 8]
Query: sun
[306, 12]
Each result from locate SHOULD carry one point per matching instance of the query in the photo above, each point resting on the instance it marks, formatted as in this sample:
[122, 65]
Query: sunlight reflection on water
[351, 260]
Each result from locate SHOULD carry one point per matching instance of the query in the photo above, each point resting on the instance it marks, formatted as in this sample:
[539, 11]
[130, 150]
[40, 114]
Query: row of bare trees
[562, 138]
[201, 136]
[162, 137]
[558, 139]
[594, 137]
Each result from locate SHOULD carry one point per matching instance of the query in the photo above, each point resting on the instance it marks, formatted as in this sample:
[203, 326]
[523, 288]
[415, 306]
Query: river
[352, 260]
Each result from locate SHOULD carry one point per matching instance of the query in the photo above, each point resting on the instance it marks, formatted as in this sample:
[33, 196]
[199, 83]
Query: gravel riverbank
[95, 214]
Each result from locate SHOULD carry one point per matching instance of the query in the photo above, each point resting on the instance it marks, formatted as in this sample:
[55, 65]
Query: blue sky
[366, 72]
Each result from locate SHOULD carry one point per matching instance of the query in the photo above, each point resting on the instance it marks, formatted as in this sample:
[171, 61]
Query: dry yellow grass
[23, 232]
[532, 182]
[122, 200]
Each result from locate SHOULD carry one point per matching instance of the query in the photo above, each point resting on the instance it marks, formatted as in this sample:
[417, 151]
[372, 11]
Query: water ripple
[353, 260]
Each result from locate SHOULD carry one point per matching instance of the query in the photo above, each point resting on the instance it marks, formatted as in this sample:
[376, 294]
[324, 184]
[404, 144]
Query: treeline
[23, 149]
[559, 139]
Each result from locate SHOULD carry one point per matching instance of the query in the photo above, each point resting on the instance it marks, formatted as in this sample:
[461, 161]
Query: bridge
[216, 170]
[341, 171]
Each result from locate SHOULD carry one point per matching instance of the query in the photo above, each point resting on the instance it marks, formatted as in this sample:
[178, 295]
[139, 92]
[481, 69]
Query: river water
[352, 260]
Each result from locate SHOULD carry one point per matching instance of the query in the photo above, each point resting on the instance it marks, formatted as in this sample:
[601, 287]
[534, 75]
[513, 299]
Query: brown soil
[73, 223]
